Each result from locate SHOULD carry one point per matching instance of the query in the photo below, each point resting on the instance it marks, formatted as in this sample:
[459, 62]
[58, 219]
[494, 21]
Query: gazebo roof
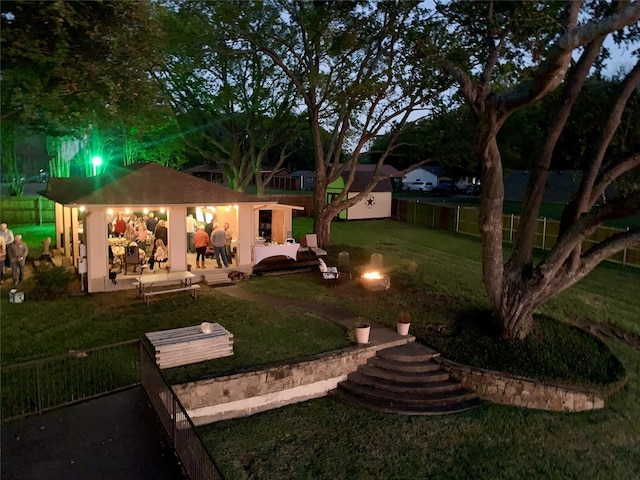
[143, 184]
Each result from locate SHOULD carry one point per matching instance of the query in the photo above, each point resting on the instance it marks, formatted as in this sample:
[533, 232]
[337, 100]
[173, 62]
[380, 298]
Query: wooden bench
[193, 289]
[182, 346]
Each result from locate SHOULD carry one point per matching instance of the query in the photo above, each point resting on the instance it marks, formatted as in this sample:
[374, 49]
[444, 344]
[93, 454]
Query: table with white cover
[260, 252]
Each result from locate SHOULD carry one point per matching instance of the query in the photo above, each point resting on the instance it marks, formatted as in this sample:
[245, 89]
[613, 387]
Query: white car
[420, 187]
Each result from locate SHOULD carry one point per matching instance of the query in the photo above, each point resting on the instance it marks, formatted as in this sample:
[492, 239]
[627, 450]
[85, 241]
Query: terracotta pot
[402, 328]
[362, 334]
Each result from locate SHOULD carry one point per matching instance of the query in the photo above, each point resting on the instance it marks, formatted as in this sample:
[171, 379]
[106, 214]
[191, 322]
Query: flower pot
[362, 334]
[402, 328]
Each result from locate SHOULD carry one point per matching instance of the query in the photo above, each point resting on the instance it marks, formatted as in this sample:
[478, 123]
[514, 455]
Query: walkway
[113, 437]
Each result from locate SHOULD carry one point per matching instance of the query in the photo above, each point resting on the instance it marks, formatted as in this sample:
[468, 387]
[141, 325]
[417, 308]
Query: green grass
[325, 439]
[262, 334]
[437, 277]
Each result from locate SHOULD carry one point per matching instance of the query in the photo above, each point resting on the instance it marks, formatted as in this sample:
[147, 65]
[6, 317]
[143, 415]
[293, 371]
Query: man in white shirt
[192, 227]
[8, 240]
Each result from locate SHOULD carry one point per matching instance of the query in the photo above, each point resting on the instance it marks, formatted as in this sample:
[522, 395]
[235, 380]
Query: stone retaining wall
[499, 387]
[247, 393]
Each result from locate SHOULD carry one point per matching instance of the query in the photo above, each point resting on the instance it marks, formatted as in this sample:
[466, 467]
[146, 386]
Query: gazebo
[85, 206]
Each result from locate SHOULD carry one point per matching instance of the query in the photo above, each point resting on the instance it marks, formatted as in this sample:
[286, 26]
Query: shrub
[52, 280]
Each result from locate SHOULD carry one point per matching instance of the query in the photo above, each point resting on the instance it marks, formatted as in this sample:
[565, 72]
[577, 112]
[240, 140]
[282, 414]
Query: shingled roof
[363, 175]
[143, 184]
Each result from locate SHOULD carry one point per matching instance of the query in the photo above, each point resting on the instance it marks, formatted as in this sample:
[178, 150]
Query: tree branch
[552, 72]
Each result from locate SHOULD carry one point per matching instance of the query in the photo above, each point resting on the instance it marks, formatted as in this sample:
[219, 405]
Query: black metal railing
[187, 443]
[39, 385]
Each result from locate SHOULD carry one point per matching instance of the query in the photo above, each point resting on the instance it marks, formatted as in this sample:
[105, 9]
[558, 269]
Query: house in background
[375, 205]
[304, 180]
[84, 207]
[207, 172]
[424, 174]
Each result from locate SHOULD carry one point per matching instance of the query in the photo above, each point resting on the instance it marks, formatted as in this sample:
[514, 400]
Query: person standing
[218, 238]
[201, 241]
[161, 232]
[18, 252]
[8, 240]
[3, 256]
[151, 222]
[227, 242]
[192, 227]
[119, 226]
[209, 227]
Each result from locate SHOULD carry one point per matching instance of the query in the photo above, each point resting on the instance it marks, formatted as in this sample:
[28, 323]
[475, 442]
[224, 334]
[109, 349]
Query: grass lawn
[436, 276]
[324, 439]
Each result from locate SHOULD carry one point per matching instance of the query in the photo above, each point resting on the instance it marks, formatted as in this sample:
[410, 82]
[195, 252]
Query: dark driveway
[113, 437]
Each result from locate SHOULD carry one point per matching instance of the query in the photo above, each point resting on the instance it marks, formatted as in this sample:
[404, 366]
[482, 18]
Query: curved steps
[407, 381]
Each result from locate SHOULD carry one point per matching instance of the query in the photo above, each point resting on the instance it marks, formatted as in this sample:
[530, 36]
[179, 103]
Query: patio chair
[132, 257]
[312, 244]
[328, 273]
[344, 264]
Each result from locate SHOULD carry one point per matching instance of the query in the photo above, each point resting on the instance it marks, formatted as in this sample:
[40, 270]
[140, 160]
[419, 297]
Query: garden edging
[507, 389]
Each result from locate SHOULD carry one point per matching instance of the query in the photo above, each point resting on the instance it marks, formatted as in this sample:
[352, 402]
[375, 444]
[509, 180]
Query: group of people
[219, 238]
[13, 254]
[139, 231]
[199, 238]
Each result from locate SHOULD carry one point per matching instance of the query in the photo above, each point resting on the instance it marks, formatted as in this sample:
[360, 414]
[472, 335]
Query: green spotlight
[96, 162]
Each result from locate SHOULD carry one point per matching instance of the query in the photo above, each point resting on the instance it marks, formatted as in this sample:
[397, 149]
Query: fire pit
[375, 281]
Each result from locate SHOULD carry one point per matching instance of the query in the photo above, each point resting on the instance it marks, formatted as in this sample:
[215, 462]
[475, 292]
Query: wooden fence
[465, 220]
[27, 210]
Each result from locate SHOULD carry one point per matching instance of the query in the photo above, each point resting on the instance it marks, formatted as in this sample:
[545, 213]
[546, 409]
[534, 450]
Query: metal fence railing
[187, 443]
[40, 385]
[465, 220]
[37, 386]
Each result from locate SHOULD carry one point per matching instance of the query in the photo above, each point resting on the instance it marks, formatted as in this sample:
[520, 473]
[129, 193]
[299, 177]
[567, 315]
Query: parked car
[473, 190]
[445, 187]
[420, 187]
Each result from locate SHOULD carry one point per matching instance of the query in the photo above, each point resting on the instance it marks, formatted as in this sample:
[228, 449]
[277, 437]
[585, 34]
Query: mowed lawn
[437, 277]
[325, 439]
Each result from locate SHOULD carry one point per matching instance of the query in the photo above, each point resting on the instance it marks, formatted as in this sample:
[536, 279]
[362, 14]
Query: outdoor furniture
[328, 273]
[311, 239]
[344, 264]
[159, 284]
[260, 252]
[182, 346]
[131, 257]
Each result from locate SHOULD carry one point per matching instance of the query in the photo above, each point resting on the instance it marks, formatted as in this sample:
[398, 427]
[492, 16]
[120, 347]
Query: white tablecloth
[260, 252]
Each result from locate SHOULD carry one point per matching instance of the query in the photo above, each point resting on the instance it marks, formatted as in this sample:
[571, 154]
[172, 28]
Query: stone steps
[216, 278]
[405, 380]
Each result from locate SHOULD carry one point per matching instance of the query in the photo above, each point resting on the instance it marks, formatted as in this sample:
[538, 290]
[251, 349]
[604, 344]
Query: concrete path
[113, 437]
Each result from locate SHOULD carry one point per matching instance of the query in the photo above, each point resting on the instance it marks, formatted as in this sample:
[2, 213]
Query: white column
[96, 232]
[246, 233]
[177, 226]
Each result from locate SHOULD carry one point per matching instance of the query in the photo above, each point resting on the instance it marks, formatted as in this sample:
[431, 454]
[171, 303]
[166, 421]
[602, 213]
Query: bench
[193, 289]
[182, 346]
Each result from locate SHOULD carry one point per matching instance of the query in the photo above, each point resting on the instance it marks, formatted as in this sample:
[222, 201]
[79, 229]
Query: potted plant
[403, 323]
[362, 331]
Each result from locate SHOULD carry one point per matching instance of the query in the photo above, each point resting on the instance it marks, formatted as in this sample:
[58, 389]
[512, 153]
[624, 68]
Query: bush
[554, 351]
[52, 280]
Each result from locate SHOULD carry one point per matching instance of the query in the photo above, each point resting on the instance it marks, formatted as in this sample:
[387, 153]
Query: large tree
[353, 68]
[235, 108]
[71, 67]
[507, 55]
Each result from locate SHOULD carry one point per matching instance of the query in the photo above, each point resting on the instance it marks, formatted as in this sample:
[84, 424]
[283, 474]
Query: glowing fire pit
[375, 281]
